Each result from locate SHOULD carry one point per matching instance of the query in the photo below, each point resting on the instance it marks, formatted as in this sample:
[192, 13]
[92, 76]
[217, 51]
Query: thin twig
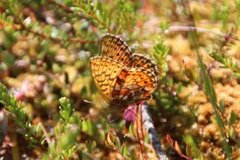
[193, 28]
[3, 125]
[45, 133]
[86, 15]
[56, 39]
[148, 124]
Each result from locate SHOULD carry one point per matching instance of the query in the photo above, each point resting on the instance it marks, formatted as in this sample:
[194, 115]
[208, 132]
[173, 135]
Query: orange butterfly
[121, 76]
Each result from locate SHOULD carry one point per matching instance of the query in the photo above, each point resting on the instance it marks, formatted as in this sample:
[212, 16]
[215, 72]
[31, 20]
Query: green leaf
[221, 105]
[232, 118]
[8, 59]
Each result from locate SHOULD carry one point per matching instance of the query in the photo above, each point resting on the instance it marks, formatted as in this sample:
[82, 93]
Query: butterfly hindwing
[137, 86]
[146, 63]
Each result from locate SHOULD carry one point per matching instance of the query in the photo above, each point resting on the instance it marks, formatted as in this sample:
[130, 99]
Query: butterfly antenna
[89, 102]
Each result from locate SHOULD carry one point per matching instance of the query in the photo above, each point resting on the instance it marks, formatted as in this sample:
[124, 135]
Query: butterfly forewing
[105, 72]
[114, 47]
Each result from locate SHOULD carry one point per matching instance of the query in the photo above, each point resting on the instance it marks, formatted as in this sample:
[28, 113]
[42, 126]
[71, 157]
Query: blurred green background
[45, 47]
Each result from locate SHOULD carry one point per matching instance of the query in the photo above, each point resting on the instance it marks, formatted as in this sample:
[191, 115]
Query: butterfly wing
[134, 86]
[146, 63]
[104, 72]
[114, 47]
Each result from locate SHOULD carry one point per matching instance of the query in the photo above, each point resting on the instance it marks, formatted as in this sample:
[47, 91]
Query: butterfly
[123, 77]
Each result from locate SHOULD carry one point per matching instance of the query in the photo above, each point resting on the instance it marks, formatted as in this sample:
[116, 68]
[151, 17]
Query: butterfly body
[121, 76]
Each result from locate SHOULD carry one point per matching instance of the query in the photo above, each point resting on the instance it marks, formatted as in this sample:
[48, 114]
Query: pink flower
[130, 114]
[19, 95]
